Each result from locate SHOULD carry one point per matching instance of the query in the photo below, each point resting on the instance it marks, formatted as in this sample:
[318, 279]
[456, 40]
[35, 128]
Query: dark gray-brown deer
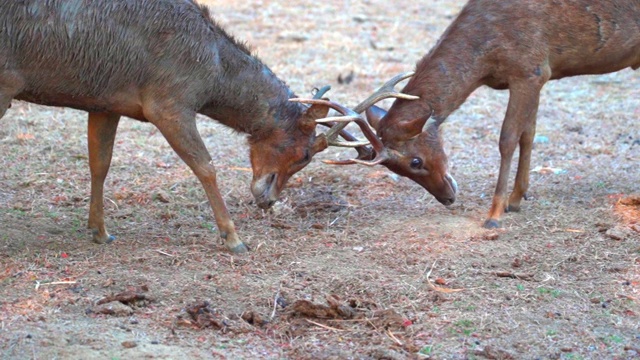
[517, 45]
[160, 61]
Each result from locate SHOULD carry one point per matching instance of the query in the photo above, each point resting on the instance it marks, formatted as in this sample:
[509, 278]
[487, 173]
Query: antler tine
[350, 115]
[381, 153]
[385, 91]
[378, 160]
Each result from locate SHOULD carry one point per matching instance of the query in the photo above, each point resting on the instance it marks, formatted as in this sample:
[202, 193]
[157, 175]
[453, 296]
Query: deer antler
[349, 116]
[386, 91]
[364, 152]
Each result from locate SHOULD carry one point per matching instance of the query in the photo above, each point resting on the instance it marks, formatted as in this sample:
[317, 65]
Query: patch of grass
[616, 339]
[520, 287]
[553, 292]
[464, 326]
[209, 226]
[572, 356]
[551, 332]
[426, 350]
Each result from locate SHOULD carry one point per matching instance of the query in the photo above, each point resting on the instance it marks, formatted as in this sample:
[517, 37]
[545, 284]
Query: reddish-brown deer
[163, 62]
[517, 45]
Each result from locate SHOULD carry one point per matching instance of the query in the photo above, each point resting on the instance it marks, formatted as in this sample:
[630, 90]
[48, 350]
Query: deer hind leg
[521, 184]
[182, 134]
[518, 128]
[101, 135]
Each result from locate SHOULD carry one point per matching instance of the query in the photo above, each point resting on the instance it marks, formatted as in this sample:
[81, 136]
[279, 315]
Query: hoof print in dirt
[201, 316]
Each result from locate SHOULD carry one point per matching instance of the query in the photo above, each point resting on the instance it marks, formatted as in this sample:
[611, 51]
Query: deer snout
[450, 191]
[265, 191]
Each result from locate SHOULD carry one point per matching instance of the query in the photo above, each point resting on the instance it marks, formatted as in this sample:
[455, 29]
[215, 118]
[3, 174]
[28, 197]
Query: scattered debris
[388, 319]
[491, 236]
[116, 309]
[335, 310]
[491, 353]
[203, 317]
[135, 298]
[507, 274]
[254, 318]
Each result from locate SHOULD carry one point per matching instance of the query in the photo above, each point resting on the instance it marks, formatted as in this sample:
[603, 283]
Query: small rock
[129, 344]
[360, 18]
[162, 196]
[616, 233]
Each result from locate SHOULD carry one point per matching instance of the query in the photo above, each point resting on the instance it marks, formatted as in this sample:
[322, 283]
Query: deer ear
[313, 113]
[405, 130]
[374, 114]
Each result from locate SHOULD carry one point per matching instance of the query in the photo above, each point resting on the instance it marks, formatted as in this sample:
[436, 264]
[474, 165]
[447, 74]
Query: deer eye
[307, 157]
[416, 163]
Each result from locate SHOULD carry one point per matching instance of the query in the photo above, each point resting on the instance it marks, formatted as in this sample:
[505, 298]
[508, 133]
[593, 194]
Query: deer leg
[524, 163]
[517, 128]
[5, 103]
[101, 136]
[10, 86]
[182, 134]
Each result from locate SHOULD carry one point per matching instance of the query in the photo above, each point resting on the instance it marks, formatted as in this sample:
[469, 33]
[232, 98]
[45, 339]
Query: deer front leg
[101, 136]
[518, 128]
[182, 134]
[11, 84]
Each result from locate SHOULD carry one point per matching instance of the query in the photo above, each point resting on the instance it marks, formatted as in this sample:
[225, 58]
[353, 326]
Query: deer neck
[248, 97]
[447, 75]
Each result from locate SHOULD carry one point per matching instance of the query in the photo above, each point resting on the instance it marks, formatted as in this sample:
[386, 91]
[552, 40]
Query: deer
[515, 45]
[162, 62]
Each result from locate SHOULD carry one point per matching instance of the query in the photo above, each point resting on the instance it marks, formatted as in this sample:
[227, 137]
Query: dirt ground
[353, 262]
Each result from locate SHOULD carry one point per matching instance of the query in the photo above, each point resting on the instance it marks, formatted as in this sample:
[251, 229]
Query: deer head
[277, 155]
[280, 152]
[408, 144]
[415, 147]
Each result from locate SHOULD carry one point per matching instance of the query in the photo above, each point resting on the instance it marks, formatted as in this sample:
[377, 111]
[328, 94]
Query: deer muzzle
[265, 190]
[452, 190]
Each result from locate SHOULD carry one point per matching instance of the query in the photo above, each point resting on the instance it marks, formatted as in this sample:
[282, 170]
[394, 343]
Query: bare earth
[354, 262]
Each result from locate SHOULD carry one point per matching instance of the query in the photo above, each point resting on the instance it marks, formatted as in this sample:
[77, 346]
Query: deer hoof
[103, 239]
[491, 224]
[239, 249]
[512, 208]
